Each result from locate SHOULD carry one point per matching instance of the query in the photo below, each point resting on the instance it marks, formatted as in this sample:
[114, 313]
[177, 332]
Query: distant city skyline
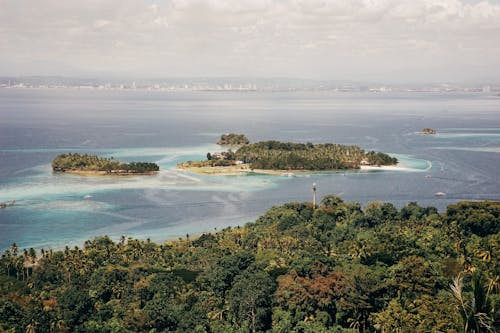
[360, 40]
[236, 84]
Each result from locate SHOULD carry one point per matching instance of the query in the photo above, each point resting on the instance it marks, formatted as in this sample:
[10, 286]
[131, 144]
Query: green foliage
[377, 158]
[250, 300]
[233, 139]
[75, 305]
[84, 162]
[476, 308]
[337, 267]
[12, 317]
[480, 218]
[275, 155]
[299, 156]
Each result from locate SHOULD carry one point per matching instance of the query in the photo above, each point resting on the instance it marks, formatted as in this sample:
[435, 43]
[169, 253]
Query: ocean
[54, 210]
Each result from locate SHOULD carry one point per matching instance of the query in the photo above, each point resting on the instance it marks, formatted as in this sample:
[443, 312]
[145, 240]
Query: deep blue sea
[54, 210]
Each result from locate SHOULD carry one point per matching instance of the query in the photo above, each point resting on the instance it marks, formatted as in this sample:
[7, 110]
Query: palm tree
[122, 241]
[19, 267]
[7, 260]
[13, 249]
[474, 309]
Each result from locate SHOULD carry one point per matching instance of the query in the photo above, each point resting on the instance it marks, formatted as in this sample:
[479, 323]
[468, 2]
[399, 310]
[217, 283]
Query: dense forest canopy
[378, 158]
[338, 267]
[85, 162]
[275, 155]
[233, 139]
[308, 156]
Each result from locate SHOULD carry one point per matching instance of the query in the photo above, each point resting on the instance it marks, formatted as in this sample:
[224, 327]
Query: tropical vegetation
[308, 156]
[275, 155]
[85, 162]
[338, 267]
[233, 139]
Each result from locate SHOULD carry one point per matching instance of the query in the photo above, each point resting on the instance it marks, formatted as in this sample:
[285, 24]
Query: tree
[334, 269]
[162, 314]
[365, 290]
[414, 275]
[304, 296]
[12, 317]
[75, 305]
[221, 278]
[250, 300]
[475, 309]
[480, 218]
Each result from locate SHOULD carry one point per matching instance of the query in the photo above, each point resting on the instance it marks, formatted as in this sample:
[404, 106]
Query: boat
[88, 196]
[439, 194]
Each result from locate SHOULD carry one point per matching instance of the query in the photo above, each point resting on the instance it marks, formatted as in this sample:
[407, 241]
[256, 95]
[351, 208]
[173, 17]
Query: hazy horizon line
[102, 78]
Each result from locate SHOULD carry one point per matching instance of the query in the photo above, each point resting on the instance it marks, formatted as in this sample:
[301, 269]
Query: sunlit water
[54, 210]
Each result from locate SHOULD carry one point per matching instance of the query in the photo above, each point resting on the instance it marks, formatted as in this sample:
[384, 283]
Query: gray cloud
[424, 40]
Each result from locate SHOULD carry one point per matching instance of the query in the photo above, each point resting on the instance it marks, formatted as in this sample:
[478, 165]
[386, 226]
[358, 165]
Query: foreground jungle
[338, 267]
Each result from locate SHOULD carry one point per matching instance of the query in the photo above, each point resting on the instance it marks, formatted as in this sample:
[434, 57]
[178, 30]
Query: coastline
[105, 173]
[396, 167]
[235, 170]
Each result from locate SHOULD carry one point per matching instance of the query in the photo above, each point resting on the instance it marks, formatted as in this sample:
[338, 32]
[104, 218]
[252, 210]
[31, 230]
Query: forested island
[233, 139]
[428, 131]
[338, 267]
[91, 164]
[288, 156]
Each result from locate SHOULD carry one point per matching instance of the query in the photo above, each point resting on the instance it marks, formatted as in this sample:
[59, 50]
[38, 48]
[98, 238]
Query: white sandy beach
[383, 168]
[244, 169]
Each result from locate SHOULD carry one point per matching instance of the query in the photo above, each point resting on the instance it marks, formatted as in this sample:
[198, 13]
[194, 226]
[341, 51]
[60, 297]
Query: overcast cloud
[384, 40]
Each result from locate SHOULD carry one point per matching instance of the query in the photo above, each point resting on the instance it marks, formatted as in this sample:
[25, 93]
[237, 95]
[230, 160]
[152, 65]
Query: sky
[358, 40]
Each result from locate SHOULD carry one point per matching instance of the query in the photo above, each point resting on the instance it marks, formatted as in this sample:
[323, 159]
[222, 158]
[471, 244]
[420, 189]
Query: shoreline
[105, 173]
[236, 170]
[396, 167]
[233, 170]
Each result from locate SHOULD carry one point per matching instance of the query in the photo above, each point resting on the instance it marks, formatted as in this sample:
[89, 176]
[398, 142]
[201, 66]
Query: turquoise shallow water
[55, 210]
[75, 207]
[45, 185]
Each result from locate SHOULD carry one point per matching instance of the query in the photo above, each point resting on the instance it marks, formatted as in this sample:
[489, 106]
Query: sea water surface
[54, 210]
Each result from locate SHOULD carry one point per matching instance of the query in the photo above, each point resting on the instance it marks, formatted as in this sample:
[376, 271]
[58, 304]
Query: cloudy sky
[383, 40]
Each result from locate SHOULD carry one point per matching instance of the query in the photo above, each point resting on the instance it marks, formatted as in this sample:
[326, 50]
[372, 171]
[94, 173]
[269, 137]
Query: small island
[85, 164]
[233, 139]
[274, 157]
[7, 204]
[428, 131]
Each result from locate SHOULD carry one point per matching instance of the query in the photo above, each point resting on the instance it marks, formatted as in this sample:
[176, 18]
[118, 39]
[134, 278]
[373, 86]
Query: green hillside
[337, 268]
